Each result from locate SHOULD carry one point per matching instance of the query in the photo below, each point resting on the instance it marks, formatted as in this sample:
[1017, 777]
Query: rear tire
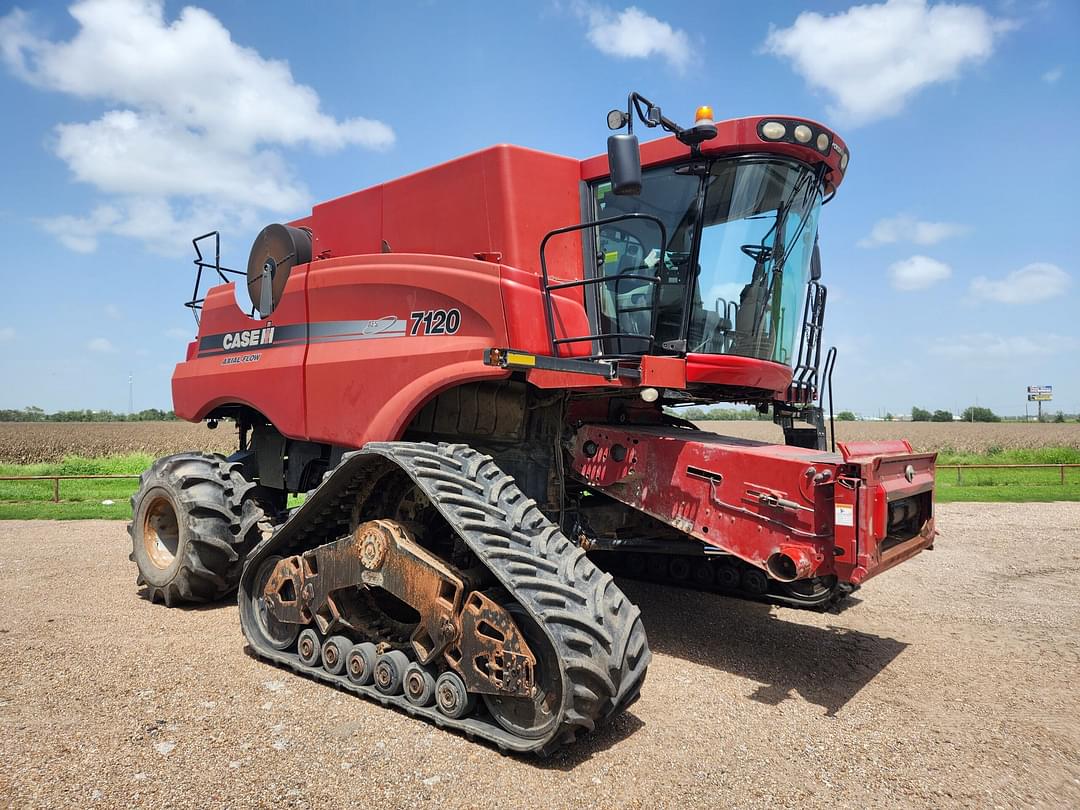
[194, 518]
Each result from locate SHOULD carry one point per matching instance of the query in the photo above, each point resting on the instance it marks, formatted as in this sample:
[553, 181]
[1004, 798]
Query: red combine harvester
[471, 391]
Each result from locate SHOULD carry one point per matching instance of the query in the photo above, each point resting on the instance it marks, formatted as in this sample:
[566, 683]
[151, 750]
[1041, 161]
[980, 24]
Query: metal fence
[56, 479]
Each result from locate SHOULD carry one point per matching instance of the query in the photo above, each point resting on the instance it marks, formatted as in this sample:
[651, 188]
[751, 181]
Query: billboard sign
[1041, 389]
[1040, 397]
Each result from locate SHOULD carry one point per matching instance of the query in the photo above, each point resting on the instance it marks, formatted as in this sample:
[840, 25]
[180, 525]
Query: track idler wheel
[530, 717]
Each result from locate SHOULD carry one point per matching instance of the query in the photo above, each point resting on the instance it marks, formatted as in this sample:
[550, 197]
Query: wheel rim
[161, 532]
[533, 717]
[414, 685]
[277, 634]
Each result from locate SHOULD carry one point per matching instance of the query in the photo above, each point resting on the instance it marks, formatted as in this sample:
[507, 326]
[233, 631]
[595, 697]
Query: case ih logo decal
[423, 322]
[248, 339]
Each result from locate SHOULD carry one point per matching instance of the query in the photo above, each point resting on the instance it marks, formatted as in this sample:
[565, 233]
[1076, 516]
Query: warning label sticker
[845, 515]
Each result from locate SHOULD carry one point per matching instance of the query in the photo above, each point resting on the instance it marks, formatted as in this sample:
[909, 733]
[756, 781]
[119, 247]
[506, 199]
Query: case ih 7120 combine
[466, 371]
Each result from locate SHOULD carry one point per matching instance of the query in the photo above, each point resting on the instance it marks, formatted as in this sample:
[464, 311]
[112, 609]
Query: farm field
[35, 442]
[926, 437]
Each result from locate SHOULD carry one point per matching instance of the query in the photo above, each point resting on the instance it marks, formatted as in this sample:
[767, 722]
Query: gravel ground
[950, 681]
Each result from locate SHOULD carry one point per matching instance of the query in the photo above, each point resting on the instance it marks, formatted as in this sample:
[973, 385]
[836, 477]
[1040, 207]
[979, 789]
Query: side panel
[390, 331]
[265, 371]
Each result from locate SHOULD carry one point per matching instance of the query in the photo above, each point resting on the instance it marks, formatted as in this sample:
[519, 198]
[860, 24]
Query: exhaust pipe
[789, 564]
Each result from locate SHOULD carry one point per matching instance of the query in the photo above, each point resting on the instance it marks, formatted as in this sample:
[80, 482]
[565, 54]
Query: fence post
[56, 490]
[1062, 468]
[958, 474]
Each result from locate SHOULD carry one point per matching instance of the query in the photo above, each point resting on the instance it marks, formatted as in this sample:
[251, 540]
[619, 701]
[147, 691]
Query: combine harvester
[470, 389]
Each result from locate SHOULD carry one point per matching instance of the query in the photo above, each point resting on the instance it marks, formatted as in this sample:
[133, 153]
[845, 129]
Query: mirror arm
[634, 104]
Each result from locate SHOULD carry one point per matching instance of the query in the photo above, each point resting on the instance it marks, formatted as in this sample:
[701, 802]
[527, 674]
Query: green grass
[80, 500]
[1010, 485]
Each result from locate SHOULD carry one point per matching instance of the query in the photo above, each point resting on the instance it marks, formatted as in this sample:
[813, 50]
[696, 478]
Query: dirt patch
[27, 443]
[948, 682]
[34, 442]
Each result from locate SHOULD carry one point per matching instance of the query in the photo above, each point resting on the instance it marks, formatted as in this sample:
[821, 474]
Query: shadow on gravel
[826, 666]
[189, 607]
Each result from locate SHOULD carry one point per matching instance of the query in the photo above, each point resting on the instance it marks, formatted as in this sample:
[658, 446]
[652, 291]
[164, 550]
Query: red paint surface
[657, 477]
[731, 369]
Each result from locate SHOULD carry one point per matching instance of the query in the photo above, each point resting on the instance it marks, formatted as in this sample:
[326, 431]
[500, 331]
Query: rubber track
[594, 628]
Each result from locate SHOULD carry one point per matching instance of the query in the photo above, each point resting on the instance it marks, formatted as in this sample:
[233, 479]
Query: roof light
[704, 115]
[844, 162]
[823, 142]
[773, 130]
[803, 133]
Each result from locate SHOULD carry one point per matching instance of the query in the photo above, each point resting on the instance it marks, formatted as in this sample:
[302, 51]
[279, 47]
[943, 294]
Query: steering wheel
[759, 253]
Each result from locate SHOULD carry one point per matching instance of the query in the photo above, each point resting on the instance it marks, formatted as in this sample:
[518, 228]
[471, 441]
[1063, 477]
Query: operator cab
[731, 278]
[708, 253]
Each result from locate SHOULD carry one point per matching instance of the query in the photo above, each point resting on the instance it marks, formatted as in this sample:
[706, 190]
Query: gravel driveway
[950, 681]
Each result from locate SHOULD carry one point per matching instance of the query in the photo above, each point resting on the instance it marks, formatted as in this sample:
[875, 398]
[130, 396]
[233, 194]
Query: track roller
[419, 685]
[390, 671]
[679, 569]
[754, 581]
[727, 577]
[360, 663]
[452, 698]
[334, 651]
[703, 573]
[309, 647]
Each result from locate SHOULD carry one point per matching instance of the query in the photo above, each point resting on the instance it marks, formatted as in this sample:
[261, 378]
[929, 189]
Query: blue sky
[950, 251]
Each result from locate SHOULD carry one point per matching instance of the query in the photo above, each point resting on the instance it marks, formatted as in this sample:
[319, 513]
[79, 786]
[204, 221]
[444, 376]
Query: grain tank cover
[277, 249]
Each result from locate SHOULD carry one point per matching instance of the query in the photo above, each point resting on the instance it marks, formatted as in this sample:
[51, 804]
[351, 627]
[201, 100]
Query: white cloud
[918, 273]
[1033, 282]
[194, 126]
[633, 34]
[995, 346]
[113, 311]
[905, 228]
[873, 58]
[100, 344]
[7, 333]
[1051, 76]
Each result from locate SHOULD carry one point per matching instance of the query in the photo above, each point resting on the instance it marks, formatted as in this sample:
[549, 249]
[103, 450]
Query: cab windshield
[732, 276]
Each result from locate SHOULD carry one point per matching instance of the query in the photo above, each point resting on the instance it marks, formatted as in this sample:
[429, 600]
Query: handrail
[547, 286]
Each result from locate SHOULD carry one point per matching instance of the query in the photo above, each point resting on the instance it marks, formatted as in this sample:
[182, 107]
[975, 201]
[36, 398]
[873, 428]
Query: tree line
[35, 414]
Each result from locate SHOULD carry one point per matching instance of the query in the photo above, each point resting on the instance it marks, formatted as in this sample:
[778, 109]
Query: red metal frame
[414, 279]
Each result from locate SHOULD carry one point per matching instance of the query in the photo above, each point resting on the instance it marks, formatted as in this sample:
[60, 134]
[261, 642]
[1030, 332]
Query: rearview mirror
[815, 263]
[624, 163]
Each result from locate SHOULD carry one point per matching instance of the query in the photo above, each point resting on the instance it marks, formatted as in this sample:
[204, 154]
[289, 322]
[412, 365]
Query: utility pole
[131, 394]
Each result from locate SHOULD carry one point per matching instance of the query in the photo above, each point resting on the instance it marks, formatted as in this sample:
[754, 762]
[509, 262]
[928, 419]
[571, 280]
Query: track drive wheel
[194, 518]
